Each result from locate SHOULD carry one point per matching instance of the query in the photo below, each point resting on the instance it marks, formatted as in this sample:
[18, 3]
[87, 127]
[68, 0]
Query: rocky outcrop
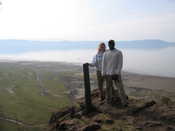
[139, 115]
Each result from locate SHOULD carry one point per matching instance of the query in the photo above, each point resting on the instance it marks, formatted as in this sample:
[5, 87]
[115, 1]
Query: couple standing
[108, 64]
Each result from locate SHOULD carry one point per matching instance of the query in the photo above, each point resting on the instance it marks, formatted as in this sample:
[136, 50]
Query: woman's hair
[100, 45]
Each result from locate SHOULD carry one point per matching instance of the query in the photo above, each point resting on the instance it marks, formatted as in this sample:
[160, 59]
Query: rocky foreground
[140, 115]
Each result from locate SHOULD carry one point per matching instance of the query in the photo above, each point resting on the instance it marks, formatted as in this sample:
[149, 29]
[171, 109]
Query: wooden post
[88, 103]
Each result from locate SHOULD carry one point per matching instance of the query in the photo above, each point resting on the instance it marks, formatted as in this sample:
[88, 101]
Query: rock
[98, 121]
[166, 100]
[61, 127]
[171, 128]
[152, 124]
[56, 116]
[141, 108]
[66, 125]
[92, 127]
[109, 121]
[141, 114]
[168, 119]
[78, 115]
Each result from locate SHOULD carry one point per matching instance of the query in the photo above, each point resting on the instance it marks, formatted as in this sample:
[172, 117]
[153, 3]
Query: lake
[153, 61]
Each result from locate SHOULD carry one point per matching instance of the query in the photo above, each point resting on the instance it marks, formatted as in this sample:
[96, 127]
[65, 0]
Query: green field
[30, 92]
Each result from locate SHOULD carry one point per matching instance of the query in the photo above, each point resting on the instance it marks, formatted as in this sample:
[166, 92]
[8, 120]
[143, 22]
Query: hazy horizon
[149, 62]
[139, 56]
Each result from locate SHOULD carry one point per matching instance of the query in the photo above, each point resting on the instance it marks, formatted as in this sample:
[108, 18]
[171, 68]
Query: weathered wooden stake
[88, 103]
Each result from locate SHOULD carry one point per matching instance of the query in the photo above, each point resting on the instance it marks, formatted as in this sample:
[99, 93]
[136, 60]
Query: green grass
[6, 126]
[26, 103]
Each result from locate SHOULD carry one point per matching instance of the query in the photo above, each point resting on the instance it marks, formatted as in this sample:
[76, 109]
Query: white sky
[87, 19]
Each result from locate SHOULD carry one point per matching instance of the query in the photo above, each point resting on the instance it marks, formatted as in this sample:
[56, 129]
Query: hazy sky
[87, 19]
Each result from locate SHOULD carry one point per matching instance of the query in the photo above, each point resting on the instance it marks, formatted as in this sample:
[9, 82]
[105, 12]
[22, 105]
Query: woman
[97, 62]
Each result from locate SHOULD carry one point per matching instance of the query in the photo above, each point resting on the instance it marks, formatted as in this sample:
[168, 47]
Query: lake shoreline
[130, 79]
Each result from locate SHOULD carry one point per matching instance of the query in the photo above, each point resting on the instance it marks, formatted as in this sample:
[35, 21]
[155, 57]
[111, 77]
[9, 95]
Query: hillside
[30, 92]
[140, 115]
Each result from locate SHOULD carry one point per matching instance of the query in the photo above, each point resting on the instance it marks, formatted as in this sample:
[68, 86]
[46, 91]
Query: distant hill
[19, 46]
[145, 44]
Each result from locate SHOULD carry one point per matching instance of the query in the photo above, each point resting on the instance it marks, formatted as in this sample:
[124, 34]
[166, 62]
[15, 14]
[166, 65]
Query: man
[111, 68]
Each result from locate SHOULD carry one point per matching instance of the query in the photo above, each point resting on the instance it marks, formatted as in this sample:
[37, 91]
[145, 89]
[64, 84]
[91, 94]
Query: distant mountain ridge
[146, 44]
[20, 46]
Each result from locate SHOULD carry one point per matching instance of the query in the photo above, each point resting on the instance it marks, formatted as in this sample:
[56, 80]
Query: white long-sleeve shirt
[97, 61]
[112, 62]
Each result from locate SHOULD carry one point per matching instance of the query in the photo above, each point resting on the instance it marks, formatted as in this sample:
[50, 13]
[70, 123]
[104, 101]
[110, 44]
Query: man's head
[111, 44]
